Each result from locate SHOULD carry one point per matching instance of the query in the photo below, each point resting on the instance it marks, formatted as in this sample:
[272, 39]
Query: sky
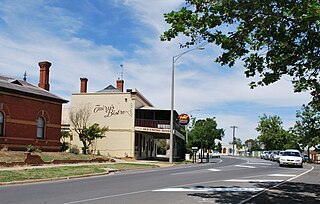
[93, 38]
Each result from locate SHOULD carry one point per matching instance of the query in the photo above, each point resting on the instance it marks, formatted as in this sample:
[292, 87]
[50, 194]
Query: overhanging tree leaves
[272, 38]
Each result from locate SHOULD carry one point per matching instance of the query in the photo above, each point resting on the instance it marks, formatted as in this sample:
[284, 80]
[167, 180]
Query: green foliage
[307, 126]
[272, 38]
[203, 134]
[219, 147]
[88, 135]
[64, 144]
[162, 146]
[273, 136]
[30, 148]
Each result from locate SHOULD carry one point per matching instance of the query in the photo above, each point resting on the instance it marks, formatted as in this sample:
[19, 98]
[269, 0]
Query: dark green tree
[272, 38]
[63, 137]
[89, 134]
[307, 126]
[273, 136]
[204, 133]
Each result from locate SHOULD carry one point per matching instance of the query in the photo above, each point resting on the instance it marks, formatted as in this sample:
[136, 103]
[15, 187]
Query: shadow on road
[292, 192]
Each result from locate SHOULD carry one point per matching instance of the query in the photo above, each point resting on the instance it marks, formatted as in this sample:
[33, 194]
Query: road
[225, 180]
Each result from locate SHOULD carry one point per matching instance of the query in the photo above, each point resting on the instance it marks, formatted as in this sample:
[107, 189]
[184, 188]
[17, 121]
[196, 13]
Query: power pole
[233, 137]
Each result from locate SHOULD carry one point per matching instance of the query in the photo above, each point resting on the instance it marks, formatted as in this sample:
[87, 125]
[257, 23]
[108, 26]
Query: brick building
[29, 114]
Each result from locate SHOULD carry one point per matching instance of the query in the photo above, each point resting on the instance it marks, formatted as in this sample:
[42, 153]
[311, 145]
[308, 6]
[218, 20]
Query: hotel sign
[183, 119]
[155, 130]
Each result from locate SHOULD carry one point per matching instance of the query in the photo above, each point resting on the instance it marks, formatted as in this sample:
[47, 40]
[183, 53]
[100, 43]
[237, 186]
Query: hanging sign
[183, 119]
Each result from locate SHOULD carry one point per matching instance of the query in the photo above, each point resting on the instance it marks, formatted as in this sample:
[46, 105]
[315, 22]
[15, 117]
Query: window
[40, 129]
[1, 123]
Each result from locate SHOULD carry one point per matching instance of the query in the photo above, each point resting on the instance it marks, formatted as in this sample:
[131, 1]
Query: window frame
[2, 121]
[41, 127]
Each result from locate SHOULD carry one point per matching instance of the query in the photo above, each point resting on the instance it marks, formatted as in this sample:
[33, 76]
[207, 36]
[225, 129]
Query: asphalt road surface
[224, 180]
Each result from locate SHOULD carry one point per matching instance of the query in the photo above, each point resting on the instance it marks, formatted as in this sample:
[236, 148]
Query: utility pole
[233, 137]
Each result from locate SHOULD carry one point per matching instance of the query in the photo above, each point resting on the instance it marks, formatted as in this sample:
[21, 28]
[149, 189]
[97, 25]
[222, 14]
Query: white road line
[275, 186]
[254, 180]
[244, 166]
[214, 169]
[209, 190]
[259, 163]
[284, 175]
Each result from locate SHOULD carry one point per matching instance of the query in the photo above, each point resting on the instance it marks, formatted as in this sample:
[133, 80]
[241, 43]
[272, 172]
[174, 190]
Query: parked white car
[291, 157]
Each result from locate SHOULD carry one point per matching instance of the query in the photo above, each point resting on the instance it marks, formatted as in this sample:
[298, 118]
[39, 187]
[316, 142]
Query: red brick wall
[20, 129]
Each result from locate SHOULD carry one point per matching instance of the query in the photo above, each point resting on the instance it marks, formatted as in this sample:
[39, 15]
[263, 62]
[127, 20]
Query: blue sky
[92, 38]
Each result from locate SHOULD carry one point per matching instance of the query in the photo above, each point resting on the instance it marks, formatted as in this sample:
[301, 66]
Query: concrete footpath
[304, 189]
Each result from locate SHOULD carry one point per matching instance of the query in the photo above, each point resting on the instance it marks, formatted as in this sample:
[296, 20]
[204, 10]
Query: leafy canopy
[307, 126]
[273, 136]
[204, 132]
[272, 37]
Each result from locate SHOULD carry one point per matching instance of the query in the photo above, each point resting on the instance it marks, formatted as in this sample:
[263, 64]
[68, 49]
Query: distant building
[134, 124]
[226, 149]
[29, 115]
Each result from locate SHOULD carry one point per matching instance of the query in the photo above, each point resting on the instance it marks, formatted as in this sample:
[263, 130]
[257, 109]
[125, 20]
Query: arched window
[1, 123]
[41, 127]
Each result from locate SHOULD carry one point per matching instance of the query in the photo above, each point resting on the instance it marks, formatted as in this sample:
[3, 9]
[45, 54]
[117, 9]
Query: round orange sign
[183, 119]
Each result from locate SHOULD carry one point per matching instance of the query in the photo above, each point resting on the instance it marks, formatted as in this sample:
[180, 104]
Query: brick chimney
[83, 86]
[44, 75]
[120, 84]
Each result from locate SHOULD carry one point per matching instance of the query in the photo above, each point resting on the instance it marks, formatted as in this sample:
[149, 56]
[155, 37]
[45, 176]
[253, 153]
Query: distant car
[268, 155]
[263, 154]
[274, 155]
[215, 154]
[305, 157]
[291, 157]
[277, 156]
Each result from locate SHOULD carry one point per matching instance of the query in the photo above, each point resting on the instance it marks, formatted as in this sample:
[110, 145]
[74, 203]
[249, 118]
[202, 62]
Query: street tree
[272, 134]
[204, 133]
[79, 116]
[272, 38]
[90, 134]
[307, 127]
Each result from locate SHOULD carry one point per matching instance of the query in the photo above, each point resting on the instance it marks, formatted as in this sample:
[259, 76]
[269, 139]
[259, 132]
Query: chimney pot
[44, 75]
[83, 86]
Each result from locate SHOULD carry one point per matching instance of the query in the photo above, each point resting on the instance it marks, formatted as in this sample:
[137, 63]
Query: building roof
[109, 89]
[13, 85]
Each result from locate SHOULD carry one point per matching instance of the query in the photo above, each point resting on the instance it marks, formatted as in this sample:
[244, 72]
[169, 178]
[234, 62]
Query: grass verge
[64, 171]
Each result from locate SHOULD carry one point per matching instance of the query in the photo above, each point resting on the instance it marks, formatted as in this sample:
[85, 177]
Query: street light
[174, 59]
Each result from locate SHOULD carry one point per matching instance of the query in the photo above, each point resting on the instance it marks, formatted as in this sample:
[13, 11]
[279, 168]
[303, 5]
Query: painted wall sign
[110, 111]
[183, 119]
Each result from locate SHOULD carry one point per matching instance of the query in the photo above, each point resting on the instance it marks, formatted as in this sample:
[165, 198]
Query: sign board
[194, 148]
[183, 119]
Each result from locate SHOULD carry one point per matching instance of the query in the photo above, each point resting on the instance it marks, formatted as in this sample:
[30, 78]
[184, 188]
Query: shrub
[64, 146]
[30, 148]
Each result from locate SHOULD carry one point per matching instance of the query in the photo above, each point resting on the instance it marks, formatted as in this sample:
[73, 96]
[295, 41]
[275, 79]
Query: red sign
[183, 119]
